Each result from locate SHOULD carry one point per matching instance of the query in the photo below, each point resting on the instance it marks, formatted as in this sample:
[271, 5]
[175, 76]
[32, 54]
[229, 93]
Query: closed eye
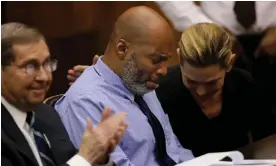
[213, 82]
[191, 81]
[156, 59]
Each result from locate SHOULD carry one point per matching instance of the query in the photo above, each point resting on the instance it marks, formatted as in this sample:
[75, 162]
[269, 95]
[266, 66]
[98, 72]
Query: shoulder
[47, 113]
[83, 102]
[240, 79]
[241, 75]
[90, 86]
[87, 82]
[241, 84]
[43, 109]
[49, 120]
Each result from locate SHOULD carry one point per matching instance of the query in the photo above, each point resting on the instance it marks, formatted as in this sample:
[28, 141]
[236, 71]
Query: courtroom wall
[75, 31]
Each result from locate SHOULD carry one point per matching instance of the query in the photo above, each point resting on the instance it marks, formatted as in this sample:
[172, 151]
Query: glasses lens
[30, 69]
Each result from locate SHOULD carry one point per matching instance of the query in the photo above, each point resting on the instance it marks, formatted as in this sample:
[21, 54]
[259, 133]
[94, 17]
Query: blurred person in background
[251, 22]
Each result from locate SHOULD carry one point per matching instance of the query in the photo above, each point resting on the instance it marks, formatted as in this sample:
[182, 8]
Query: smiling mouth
[38, 91]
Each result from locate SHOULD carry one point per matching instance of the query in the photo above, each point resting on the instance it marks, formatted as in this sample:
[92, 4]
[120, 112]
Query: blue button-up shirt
[98, 87]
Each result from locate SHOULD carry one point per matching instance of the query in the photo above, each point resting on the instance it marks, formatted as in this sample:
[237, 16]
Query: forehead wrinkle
[25, 52]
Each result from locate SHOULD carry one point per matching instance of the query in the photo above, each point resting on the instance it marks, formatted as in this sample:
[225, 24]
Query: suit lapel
[42, 127]
[13, 132]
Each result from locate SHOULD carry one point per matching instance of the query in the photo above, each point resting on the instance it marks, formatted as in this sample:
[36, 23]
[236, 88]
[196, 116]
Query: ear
[180, 60]
[231, 62]
[122, 47]
[178, 52]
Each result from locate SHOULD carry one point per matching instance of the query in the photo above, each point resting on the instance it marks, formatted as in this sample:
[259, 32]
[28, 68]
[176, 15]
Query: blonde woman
[211, 105]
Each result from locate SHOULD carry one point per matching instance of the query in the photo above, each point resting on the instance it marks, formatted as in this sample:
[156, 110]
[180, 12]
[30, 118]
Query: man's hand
[268, 44]
[98, 142]
[77, 70]
[74, 73]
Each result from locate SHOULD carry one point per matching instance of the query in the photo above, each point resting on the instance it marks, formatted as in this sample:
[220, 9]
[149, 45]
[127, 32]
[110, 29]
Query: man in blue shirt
[124, 79]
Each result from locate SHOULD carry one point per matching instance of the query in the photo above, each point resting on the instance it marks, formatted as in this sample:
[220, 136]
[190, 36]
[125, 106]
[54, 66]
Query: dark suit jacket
[243, 110]
[15, 148]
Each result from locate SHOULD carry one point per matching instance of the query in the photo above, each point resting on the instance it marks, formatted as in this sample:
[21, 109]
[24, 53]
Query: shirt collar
[112, 78]
[18, 116]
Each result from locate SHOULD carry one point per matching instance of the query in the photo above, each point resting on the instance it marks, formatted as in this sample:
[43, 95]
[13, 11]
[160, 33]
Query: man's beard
[134, 79]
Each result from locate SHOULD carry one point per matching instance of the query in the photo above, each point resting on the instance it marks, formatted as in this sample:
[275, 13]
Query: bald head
[137, 24]
[140, 43]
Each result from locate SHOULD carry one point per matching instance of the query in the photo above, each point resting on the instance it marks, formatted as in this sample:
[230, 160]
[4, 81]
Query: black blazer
[243, 110]
[15, 148]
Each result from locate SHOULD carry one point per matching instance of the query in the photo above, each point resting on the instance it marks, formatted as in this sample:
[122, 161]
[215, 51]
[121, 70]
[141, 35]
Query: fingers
[95, 59]
[71, 78]
[73, 74]
[120, 133]
[111, 125]
[112, 145]
[89, 126]
[79, 68]
[117, 138]
[118, 118]
[106, 114]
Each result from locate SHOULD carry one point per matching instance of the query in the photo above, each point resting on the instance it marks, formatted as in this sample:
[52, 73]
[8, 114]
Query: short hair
[16, 33]
[205, 44]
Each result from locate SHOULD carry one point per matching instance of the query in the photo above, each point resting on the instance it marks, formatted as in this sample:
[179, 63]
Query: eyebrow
[215, 79]
[32, 60]
[212, 80]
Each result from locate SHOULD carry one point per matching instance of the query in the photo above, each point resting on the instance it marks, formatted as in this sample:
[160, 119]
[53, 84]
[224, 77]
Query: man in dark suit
[32, 133]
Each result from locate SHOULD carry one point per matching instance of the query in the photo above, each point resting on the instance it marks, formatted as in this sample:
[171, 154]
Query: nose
[201, 90]
[162, 70]
[42, 75]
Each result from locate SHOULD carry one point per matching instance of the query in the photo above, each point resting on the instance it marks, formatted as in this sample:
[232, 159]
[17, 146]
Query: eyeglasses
[32, 67]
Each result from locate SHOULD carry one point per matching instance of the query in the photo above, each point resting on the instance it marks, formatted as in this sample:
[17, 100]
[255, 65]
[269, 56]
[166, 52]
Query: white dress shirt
[20, 120]
[185, 13]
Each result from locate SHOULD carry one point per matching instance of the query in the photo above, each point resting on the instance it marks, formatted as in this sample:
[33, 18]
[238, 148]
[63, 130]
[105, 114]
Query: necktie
[160, 148]
[41, 143]
[245, 13]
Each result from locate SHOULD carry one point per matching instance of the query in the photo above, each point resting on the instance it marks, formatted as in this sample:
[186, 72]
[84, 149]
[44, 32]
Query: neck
[12, 101]
[110, 59]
